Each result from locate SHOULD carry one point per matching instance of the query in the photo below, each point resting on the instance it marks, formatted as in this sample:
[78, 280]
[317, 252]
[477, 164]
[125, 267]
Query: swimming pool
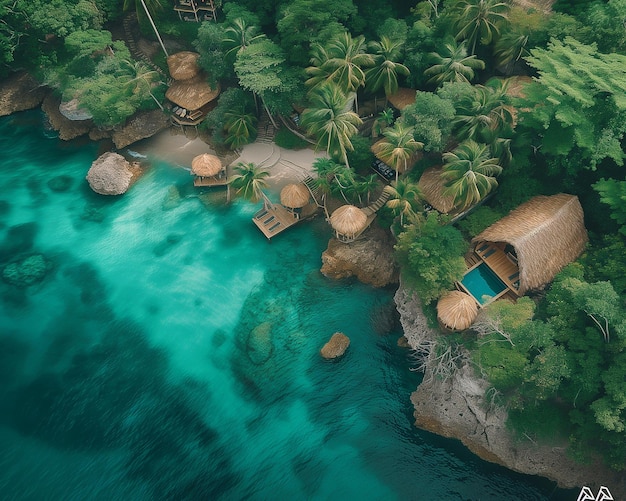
[482, 283]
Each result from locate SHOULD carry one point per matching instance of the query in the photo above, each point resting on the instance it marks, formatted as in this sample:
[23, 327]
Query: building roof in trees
[431, 185]
[193, 93]
[547, 233]
[402, 98]
[183, 65]
[457, 310]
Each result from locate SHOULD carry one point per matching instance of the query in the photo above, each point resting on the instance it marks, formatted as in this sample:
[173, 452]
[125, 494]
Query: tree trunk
[154, 27]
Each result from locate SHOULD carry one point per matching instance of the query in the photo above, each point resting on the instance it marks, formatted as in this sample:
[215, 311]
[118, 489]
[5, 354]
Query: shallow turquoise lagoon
[171, 352]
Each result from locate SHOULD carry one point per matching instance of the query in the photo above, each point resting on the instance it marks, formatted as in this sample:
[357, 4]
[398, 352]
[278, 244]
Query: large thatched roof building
[431, 184]
[543, 235]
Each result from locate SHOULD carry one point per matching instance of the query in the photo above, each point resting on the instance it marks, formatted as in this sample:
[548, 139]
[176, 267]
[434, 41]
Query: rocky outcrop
[20, 92]
[68, 129]
[140, 126]
[336, 346]
[27, 271]
[110, 174]
[457, 408]
[369, 259]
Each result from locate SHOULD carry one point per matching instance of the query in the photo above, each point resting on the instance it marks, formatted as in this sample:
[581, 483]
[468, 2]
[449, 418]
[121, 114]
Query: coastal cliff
[457, 408]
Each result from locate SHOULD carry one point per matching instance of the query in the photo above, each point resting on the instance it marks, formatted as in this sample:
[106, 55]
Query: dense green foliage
[557, 125]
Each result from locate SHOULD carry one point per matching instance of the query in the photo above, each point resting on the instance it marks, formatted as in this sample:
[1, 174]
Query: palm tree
[367, 185]
[453, 65]
[384, 119]
[240, 127]
[330, 121]
[154, 5]
[341, 61]
[479, 21]
[469, 173]
[404, 196]
[384, 74]
[510, 48]
[240, 35]
[142, 78]
[485, 114]
[249, 181]
[398, 146]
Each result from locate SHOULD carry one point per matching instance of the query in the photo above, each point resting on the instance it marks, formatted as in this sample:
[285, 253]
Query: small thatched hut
[543, 235]
[431, 184]
[183, 65]
[294, 196]
[348, 222]
[402, 98]
[456, 310]
[206, 165]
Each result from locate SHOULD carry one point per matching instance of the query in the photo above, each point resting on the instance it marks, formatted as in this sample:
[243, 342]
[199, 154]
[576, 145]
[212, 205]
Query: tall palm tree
[240, 127]
[141, 78]
[154, 5]
[453, 64]
[240, 35]
[384, 119]
[249, 181]
[404, 197]
[398, 146]
[330, 121]
[469, 173]
[341, 61]
[510, 48]
[479, 21]
[384, 73]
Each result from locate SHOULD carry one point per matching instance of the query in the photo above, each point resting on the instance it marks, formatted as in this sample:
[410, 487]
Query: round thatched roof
[206, 165]
[192, 94]
[294, 196]
[457, 310]
[183, 65]
[348, 220]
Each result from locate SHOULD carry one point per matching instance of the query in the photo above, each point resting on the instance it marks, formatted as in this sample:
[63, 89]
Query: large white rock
[110, 174]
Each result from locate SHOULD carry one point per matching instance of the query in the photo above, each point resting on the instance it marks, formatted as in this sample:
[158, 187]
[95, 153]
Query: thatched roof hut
[431, 184]
[192, 94]
[457, 310]
[348, 220]
[294, 196]
[546, 233]
[183, 65]
[206, 165]
[402, 98]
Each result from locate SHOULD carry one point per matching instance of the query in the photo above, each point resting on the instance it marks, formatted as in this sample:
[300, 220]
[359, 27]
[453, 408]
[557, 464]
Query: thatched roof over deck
[402, 98]
[547, 233]
[431, 184]
[183, 65]
[348, 220]
[192, 94]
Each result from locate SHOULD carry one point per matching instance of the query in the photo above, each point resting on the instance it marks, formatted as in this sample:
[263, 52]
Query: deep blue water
[171, 352]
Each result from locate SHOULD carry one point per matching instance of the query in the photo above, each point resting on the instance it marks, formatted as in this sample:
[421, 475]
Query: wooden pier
[273, 219]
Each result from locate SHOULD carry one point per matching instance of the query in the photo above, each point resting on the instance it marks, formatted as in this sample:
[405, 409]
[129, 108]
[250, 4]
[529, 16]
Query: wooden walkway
[274, 219]
[210, 181]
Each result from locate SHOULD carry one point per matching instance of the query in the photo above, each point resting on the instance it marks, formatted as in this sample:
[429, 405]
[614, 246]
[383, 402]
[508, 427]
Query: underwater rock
[259, 346]
[172, 199]
[60, 183]
[26, 272]
[370, 259]
[336, 346]
[110, 174]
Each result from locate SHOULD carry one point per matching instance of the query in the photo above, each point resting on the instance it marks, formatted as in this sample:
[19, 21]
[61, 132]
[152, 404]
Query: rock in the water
[370, 259]
[172, 199]
[26, 272]
[336, 346]
[259, 345]
[20, 92]
[140, 126]
[110, 174]
[60, 183]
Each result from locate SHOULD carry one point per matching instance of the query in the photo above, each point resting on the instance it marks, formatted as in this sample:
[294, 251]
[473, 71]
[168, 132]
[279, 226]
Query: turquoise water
[482, 283]
[171, 352]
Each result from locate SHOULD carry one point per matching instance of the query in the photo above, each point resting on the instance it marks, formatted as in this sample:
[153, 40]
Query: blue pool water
[170, 352]
[482, 283]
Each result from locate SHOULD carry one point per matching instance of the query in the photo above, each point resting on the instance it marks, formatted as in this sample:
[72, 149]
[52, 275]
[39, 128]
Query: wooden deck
[274, 219]
[501, 264]
[210, 181]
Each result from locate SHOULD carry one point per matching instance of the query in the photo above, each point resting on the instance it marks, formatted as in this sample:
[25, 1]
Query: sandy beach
[285, 166]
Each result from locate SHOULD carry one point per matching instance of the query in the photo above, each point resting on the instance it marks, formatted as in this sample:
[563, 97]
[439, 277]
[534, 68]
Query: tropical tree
[155, 5]
[240, 127]
[398, 146]
[469, 173]
[249, 181]
[479, 21]
[384, 73]
[384, 119]
[329, 120]
[240, 35]
[453, 65]
[404, 196]
[142, 79]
